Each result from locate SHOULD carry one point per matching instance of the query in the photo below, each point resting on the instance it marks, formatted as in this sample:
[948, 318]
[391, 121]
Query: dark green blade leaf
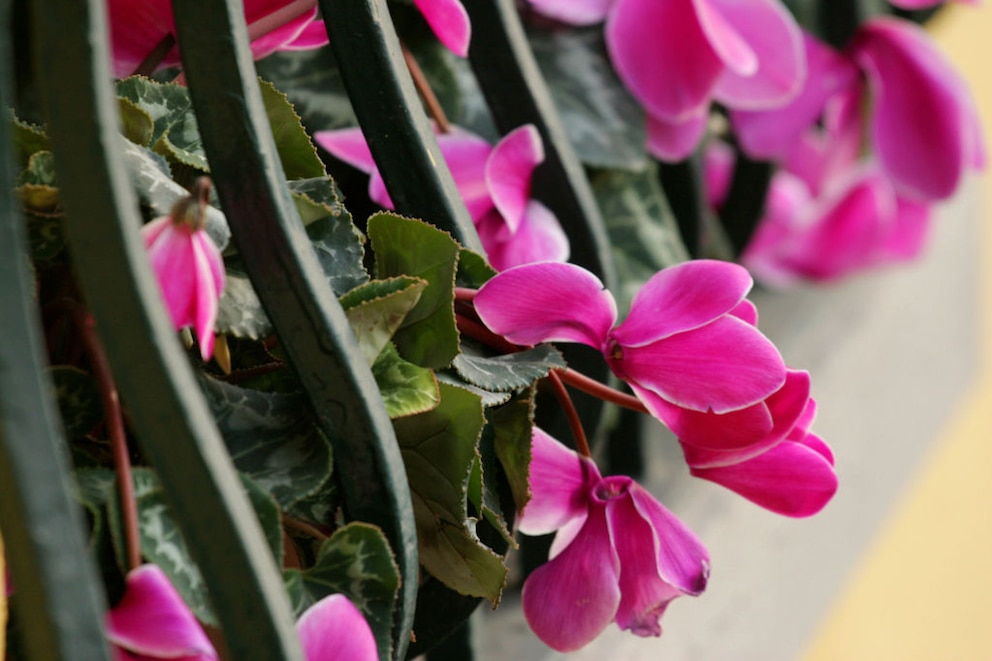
[514, 425]
[510, 372]
[313, 84]
[406, 389]
[297, 153]
[239, 312]
[377, 309]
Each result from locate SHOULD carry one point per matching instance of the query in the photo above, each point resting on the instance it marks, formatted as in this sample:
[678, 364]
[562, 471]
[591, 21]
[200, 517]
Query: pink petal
[675, 140]
[723, 366]
[334, 630]
[209, 285]
[923, 125]
[747, 312]
[152, 620]
[348, 145]
[714, 431]
[540, 238]
[771, 134]
[466, 155]
[789, 479]
[558, 482]
[509, 169]
[730, 46]
[174, 265]
[718, 172]
[682, 559]
[909, 232]
[274, 40]
[770, 31]
[573, 12]
[313, 35]
[681, 298]
[817, 445]
[663, 56]
[570, 600]
[547, 302]
[136, 27]
[449, 21]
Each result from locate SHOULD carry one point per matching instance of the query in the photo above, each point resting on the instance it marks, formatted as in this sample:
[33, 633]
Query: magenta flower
[449, 21]
[189, 270]
[573, 12]
[683, 341]
[137, 27]
[334, 630]
[793, 477]
[495, 183]
[619, 555]
[678, 56]
[151, 621]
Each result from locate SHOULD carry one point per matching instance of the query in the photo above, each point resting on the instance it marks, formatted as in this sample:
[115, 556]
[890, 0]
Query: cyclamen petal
[508, 172]
[151, 621]
[672, 141]
[539, 238]
[573, 12]
[333, 629]
[557, 480]
[450, 23]
[547, 302]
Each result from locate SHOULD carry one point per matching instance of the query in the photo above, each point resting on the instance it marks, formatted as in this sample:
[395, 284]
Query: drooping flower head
[619, 555]
[494, 182]
[684, 342]
[188, 266]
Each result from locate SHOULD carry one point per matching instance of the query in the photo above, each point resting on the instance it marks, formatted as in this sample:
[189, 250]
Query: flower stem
[155, 57]
[114, 419]
[592, 387]
[292, 523]
[426, 93]
[574, 422]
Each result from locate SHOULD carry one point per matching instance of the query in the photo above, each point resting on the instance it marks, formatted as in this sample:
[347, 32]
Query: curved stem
[155, 57]
[592, 387]
[424, 90]
[293, 523]
[574, 423]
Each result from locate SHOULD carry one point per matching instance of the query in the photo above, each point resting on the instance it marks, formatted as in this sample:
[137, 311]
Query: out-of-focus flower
[683, 343]
[678, 56]
[138, 27]
[573, 12]
[494, 182]
[334, 630]
[619, 555]
[449, 21]
[188, 266]
[151, 621]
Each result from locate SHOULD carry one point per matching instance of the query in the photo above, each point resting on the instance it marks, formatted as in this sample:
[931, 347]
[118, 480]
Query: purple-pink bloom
[678, 56]
[190, 273]
[683, 341]
[494, 182]
[137, 27]
[619, 555]
[151, 621]
[449, 21]
[333, 629]
[573, 12]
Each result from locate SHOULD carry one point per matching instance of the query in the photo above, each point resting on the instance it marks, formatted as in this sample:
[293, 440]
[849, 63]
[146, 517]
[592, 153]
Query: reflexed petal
[574, 12]
[910, 230]
[723, 366]
[275, 39]
[449, 21]
[675, 140]
[771, 33]
[715, 431]
[466, 155]
[682, 559]
[334, 630]
[348, 145]
[314, 35]
[681, 298]
[570, 600]
[509, 169]
[540, 238]
[174, 264]
[547, 302]
[152, 619]
[207, 291]
[558, 483]
[747, 312]
[718, 172]
[671, 77]
[151, 231]
[772, 133]
[819, 446]
[790, 479]
[136, 28]
[923, 126]
[730, 46]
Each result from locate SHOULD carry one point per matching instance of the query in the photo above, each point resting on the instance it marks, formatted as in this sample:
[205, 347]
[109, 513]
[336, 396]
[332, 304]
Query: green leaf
[314, 86]
[45, 237]
[483, 486]
[340, 247]
[406, 389]
[272, 438]
[27, 139]
[37, 185]
[136, 124]
[507, 372]
[78, 398]
[240, 312]
[297, 153]
[439, 448]
[355, 561]
[175, 134]
[514, 425]
[473, 270]
[488, 397]
[403, 246]
[376, 310]
[604, 123]
[643, 232]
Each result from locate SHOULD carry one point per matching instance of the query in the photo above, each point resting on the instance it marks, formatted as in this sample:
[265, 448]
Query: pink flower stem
[426, 93]
[279, 18]
[477, 331]
[592, 387]
[574, 422]
[291, 523]
[114, 419]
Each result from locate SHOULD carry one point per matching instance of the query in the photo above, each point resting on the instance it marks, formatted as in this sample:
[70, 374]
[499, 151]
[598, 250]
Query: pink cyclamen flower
[137, 27]
[333, 629]
[188, 267]
[450, 23]
[494, 182]
[684, 341]
[619, 554]
[151, 621]
[678, 56]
